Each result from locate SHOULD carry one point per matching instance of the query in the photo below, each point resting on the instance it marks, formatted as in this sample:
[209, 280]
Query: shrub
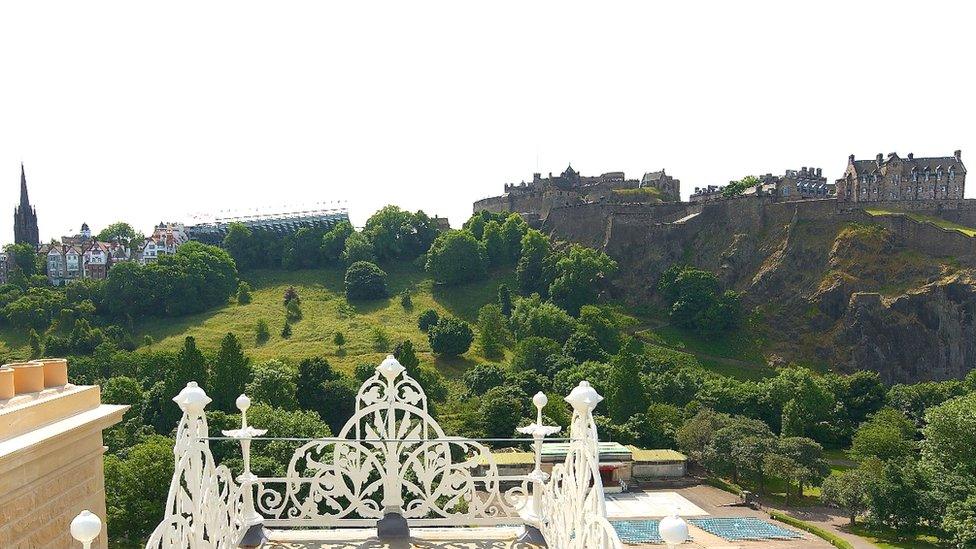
[405, 300]
[364, 280]
[286, 331]
[291, 294]
[339, 339]
[450, 337]
[261, 331]
[427, 320]
[455, 257]
[381, 341]
[243, 293]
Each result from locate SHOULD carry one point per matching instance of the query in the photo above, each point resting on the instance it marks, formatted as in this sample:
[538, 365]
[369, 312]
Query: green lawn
[732, 355]
[938, 221]
[325, 311]
[887, 539]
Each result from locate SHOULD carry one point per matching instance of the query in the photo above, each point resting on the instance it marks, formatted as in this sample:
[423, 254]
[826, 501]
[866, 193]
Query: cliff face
[835, 286]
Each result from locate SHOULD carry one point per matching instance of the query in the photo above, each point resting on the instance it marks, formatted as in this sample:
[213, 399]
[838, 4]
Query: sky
[145, 112]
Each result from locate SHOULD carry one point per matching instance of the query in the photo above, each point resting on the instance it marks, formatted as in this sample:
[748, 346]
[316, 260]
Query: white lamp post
[673, 530]
[85, 528]
[537, 476]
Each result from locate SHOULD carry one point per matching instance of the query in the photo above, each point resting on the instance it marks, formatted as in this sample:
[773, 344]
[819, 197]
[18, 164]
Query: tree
[532, 352]
[34, 341]
[136, 487]
[190, 366]
[286, 330]
[625, 391]
[450, 337]
[274, 383]
[24, 258]
[261, 331]
[456, 257]
[579, 276]
[960, 522]
[602, 324]
[399, 234]
[231, 372]
[364, 281]
[735, 188]
[501, 410]
[533, 317]
[888, 434]
[496, 251]
[505, 299]
[513, 229]
[312, 373]
[697, 432]
[581, 346]
[338, 339]
[120, 231]
[950, 435]
[239, 244]
[482, 377]
[898, 497]
[916, 398]
[427, 320]
[849, 490]
[293, 311]
[334, 242]
[530, 272]
[807, 463]
[696, 301]
[802, 398]
[407, 357]
[358, 248]
[291, 295]
[243, 293]
[492, 331]
[405, 301]
[740, 446]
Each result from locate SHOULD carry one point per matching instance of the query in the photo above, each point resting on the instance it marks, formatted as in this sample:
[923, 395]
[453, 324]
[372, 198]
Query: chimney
[879, 159]
[850, 159]
[958, 155]
[819, 171]
[911, 156]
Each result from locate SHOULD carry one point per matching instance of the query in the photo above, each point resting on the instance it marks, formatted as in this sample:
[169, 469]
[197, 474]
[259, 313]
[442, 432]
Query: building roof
[931, 163]
[656, 456]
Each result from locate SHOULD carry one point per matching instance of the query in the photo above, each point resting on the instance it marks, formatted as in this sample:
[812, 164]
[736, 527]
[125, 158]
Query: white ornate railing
[390, 459]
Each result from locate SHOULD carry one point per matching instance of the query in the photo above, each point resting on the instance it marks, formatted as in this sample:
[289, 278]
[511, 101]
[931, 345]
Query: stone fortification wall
[535, 202]
[589, 224]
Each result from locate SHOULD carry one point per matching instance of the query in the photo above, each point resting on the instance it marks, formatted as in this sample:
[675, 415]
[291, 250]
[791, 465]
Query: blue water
[638, 531]
[743, 528]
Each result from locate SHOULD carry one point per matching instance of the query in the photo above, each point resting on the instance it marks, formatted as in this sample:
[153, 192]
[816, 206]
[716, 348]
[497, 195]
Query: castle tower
[25, 216]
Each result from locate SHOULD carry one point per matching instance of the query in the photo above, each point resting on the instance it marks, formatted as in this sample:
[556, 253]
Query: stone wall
[51, 466]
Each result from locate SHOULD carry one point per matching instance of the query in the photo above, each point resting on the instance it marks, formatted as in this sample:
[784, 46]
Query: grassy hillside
[325, 311]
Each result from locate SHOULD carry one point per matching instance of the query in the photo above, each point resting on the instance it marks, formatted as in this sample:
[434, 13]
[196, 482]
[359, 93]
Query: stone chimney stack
[850, 159]
[958, 155]
[911, 156]
[819, 172]
[879, 159]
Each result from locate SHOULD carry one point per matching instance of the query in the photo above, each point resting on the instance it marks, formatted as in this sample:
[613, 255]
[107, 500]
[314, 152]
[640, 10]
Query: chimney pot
[879, 158]
[850, 158]
[958, 155]
[911, 156]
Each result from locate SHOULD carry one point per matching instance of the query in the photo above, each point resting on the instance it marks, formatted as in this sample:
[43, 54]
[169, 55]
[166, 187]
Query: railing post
[393, 524]
[533, 515]
[253, 521]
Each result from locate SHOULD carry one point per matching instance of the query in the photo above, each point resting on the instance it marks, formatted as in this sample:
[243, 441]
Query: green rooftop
[656, 456]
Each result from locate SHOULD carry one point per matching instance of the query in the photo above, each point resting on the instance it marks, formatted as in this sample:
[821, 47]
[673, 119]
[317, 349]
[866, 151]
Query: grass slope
[325, 311]
[937, 221]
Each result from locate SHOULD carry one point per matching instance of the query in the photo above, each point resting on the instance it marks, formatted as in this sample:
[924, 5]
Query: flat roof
[656, 456]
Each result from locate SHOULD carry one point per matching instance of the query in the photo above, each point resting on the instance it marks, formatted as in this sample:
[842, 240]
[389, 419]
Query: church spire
[24, 202]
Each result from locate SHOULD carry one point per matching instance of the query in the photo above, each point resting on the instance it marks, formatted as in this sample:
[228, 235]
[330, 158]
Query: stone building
[51, 455]
[165, 240]
[803, 184]
[894, 178]
[25, 216]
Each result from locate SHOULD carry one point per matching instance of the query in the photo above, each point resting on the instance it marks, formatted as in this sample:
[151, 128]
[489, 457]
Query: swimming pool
[743, 528]
[638, 531]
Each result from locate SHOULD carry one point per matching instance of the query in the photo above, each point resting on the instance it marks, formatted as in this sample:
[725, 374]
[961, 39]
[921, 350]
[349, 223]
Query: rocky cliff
[834, 286]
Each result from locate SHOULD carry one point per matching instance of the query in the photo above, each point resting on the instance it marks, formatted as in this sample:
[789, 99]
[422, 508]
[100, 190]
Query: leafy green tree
[898, 497]
[626, 395]
[501, 410]
[530, 272]
[231, 372]
[293, 311]
[456, 257]
[262, 333]
[239, 243]
[960, 522]
[595, 373]
[505, 299]
[427, 320]
[602, 324]
[916, 398]
[34, 341]
[190, 366]
[533, 317]
[848, 490]
[807, 463]
[286, 330]
[136, 486]
[496, 251]
[513, 229]
[696, 434]
[696, 300]
[812, 399]
[450, 337]
[950, 436]
[273, 382]
[579, 276]
[407, 357]
[36, 309]
[888, 434]
[290, 295]
[735, 188]
[476, 225]
[334, 242]
[482, 377]
[364, 281]
[737, 446]
[581, 346]
[282, 423]
[531, 353]
[338, 339]
[405, 301]
[358, 248]
[492, 331]
[24, 258]
[398, 234]
[312, 373]
[243, 293]
[337, 401]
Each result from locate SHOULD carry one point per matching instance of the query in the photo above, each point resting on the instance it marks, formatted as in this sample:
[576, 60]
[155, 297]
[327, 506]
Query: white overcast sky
[153, 111]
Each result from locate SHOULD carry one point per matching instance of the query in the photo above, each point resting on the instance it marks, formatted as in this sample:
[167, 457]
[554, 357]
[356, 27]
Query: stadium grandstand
[284, 221]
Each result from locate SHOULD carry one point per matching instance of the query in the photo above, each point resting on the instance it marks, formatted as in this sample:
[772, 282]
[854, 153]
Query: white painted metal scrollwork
[573, 514]
[392, 457]
[205, 507]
